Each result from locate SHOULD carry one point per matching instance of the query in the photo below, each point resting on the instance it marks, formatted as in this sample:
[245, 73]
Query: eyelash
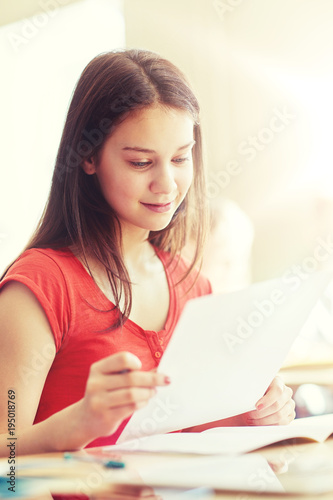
[143, 164]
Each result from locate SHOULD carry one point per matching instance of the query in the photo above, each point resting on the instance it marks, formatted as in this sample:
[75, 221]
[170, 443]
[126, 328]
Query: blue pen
[110, 464]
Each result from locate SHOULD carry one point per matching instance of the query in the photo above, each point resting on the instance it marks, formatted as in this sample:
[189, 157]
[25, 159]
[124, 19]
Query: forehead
[154, 124]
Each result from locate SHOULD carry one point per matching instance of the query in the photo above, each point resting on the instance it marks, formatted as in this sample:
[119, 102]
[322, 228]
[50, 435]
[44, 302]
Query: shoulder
[37, 256]
[46, 273]
[51, 272]
[40, 262]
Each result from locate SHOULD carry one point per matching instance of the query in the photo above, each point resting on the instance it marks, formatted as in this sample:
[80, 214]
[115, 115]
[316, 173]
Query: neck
[136, 249]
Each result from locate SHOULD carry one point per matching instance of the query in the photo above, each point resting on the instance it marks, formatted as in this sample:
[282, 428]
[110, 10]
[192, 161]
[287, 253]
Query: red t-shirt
[78, 312]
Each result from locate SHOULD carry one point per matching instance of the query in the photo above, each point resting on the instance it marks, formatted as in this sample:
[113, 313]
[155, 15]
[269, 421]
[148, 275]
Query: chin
[157, 228]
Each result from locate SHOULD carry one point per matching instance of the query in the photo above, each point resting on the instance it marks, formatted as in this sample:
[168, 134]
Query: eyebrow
[145, 150]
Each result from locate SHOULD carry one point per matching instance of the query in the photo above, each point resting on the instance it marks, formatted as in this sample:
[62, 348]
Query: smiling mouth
[159, 207]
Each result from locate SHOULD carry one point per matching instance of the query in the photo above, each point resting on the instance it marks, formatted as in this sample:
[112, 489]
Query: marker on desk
[110, 464]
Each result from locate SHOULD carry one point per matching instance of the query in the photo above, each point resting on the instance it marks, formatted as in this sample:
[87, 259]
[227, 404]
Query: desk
[300, 467]
[297, 465]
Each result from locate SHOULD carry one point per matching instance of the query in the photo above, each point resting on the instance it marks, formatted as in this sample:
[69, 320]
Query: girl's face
[145, 167]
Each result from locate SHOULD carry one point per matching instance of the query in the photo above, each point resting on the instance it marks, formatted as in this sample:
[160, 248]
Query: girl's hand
[276, 407]
[116, 387]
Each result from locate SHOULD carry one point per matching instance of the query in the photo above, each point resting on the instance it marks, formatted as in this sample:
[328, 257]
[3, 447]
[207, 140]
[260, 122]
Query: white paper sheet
[247, 473]
[231, 440]
[224, 353]
[168, 493]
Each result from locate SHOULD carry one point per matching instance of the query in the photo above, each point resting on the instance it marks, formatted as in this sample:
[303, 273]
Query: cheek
[115, 184]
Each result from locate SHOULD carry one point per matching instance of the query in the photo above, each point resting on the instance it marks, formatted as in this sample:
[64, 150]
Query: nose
[163, 181]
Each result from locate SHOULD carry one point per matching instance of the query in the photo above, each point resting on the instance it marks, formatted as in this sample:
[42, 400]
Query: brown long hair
[76, 214]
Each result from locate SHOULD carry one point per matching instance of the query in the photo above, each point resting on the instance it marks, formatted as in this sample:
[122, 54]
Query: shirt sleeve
[43, 276]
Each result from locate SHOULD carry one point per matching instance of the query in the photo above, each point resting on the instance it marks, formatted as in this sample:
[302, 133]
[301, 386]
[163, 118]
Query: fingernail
[167, 380]
[260, 406]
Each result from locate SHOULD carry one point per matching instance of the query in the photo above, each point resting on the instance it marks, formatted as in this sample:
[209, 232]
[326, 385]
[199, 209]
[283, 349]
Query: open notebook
[232, 440]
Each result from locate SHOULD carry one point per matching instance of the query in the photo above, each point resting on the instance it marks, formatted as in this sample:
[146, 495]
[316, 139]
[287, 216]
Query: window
[42, 58]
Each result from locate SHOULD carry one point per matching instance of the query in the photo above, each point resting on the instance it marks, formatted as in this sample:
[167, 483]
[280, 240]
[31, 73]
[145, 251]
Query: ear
[89, 166]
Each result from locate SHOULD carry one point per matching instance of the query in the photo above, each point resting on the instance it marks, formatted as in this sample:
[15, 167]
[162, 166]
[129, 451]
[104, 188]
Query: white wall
[252, 61]
[248, 60]
[42, 58]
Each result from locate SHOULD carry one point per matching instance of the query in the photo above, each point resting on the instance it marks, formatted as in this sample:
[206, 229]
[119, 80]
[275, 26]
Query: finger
[119, 362]
[272, 393]
[284, 399]
[120, 413]
[279, 466]
[281, 417]
[110, 412]
[274, 419]
[136, 379]
[123, 397]
[275, 391]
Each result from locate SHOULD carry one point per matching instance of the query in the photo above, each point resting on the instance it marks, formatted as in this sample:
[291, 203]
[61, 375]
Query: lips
[159, 207]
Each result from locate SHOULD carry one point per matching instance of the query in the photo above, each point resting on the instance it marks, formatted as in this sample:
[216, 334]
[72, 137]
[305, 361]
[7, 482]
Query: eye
[181, 160]
[140, 164]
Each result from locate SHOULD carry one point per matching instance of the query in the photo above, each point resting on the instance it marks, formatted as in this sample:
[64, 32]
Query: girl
[89, 307]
